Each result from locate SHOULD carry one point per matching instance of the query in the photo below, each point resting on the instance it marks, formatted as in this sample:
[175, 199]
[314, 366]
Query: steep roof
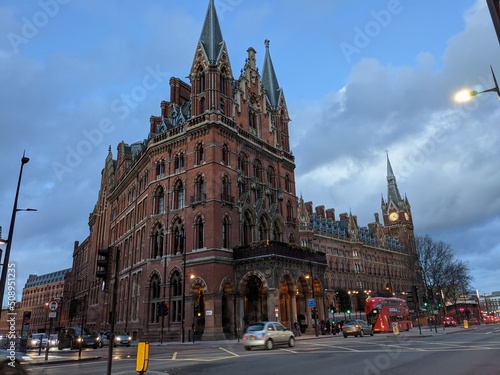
[211, 35]
[269, 80]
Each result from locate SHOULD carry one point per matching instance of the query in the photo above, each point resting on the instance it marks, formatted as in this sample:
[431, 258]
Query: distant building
[37, 293]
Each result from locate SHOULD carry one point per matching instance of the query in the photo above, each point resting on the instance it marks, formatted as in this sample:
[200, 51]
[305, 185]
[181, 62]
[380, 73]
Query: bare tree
[444, 276]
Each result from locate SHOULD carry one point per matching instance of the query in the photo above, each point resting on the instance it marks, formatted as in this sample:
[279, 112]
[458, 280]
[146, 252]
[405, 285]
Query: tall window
[271, 177]
[226, 190]
[179, 162]
[157, 242]
[175, 312]
[178, 196]
[179, 238]
[225, 154]
[199, 189]
[160, 169]
[200, 156]
[200, 233]
[257, 170]
[154, 296]
[225, 233]
[287, 183]
[159, 201]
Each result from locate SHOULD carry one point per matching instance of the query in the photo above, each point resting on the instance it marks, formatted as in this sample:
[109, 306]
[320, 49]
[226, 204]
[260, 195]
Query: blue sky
[360, 77]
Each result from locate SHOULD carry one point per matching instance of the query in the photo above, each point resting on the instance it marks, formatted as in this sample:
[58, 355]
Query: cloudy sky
[360, 77]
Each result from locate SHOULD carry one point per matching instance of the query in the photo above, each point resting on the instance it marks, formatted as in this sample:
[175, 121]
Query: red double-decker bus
[381, 312]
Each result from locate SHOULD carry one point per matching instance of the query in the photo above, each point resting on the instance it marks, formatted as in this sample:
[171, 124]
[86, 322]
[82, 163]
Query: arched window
[289, 211]
[271, 177]
[159, 201]
[178, 196]
[175, 312]
[200, 233]
[160, 169]
[179, 238]
[287, 183]
[226, 190]
[157, 242]
[243, 164]
[179, 162]
[246, 230]
[154, 296]
[257, 170]
[199, 156]
[225, 154]
[199, 188]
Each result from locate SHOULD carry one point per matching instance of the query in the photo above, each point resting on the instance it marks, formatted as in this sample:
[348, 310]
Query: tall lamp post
[466, 95]
[3, 279]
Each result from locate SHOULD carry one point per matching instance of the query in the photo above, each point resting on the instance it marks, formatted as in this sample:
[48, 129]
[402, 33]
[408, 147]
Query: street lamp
[466, 95]
[3, 279]
[351, 294]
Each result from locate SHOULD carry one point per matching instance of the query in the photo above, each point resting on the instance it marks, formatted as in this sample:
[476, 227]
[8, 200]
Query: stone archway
[254, 297]
[287, 307]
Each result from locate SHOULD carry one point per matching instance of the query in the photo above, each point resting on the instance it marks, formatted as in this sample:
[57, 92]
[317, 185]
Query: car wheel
[269, 344]
[248, 347]
[345, 335]
[100, 344]
[128, 345]
[371, 333]
[361, 333]
[59, 347]
[291, 342]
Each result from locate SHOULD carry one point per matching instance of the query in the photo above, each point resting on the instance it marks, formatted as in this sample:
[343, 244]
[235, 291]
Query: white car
[267, 335]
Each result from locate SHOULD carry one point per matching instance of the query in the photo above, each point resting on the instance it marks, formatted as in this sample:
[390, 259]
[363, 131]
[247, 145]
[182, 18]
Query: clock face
[407, 216]
[393, 216]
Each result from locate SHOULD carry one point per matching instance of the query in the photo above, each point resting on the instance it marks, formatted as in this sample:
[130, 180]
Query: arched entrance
[254, 301]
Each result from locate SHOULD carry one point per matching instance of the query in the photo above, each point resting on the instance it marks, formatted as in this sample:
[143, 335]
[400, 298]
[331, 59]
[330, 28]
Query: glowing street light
[466, 95]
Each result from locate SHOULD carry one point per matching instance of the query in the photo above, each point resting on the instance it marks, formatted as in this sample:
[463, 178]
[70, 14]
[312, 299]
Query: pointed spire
[392, 188]
[269, 80]
[211, 35]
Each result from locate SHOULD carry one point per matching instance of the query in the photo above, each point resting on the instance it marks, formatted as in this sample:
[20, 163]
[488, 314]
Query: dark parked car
[72, 338]
[357, 328]
[267, 335]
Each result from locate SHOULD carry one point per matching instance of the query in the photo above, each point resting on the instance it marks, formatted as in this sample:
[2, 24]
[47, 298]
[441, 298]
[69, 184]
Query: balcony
[264, 249]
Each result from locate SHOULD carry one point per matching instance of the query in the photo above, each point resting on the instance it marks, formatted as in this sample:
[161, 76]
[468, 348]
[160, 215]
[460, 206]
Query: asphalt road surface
[471, 352]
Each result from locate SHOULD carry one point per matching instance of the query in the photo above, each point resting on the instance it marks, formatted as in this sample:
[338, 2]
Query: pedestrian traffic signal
[160, 309]
[104, 267]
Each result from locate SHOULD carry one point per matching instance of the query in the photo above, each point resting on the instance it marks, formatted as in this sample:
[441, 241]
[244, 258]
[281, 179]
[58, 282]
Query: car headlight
[129, 338]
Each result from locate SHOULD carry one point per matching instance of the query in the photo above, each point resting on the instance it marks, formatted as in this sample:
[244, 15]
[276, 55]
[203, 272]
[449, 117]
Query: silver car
[357, 328]
[267, 335]
[121, 338]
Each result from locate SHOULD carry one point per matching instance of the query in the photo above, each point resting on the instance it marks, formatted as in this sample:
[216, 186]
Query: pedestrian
[297, 329]
[327, 326]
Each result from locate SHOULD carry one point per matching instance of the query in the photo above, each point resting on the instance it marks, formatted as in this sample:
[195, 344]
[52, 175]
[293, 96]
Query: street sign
[52, 314]
[311, 302]
[53, 305]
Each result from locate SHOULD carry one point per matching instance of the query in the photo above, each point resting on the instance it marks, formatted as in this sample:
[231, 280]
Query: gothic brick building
[203, 215]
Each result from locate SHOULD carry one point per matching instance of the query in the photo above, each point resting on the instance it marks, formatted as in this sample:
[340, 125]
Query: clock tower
[396, 213]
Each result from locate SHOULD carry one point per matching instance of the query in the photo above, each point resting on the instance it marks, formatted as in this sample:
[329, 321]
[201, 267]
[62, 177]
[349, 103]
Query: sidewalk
[61, 356]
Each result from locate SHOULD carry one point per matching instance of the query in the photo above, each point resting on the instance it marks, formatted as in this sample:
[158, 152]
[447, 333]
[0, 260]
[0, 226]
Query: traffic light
[415, 294]
[196, 311]
[165, 310]
[409, 296]
[348, 311]
[332, 309]
[160, 309]
[104, 267]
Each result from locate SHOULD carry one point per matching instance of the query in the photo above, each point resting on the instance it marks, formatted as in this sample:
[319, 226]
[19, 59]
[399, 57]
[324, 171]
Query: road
[467, 352]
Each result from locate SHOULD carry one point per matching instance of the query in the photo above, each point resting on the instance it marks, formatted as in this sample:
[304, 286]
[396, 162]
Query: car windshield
[38, 335]
[254, 328]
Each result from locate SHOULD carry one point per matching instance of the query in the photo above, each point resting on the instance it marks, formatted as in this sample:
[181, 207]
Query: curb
[38, 362]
